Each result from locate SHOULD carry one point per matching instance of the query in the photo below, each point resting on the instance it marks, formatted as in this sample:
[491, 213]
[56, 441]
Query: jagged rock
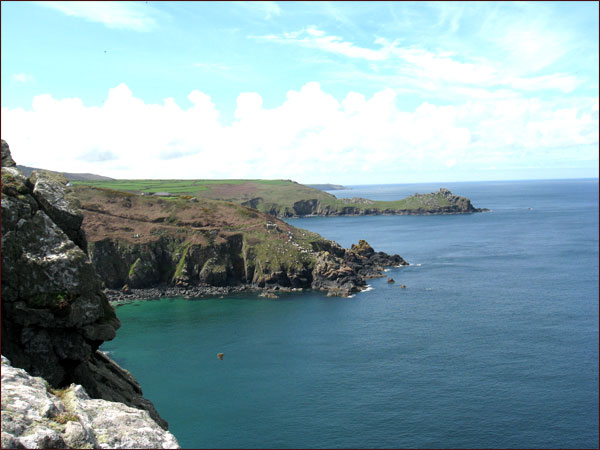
[55, 314]
[368, 263]
[104, 378]
[48, 286]
[7, 160]
[35, 416]
[362, 248]
[331, 274]
[50, 190]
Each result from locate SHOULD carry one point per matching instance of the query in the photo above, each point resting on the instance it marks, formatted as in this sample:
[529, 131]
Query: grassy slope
[275, 195]
[123, 216]
[280, 194]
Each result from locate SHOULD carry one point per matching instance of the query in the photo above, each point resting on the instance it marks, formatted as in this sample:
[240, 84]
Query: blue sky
[342, 92]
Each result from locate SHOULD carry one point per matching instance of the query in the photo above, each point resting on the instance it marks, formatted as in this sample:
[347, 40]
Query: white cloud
[310, 137]
[137, 16]
[22, 78]
[423, 68]
[530, 35]
[267, 9]
[312, 37]
[450, 14]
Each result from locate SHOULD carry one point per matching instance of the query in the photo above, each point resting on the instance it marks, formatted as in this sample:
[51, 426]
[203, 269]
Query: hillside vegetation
[286, 198]
[141, 241]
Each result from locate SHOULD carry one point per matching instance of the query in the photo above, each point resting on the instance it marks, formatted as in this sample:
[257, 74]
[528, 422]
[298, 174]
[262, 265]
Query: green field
[284, 198]
[276, 196]
[171, 186]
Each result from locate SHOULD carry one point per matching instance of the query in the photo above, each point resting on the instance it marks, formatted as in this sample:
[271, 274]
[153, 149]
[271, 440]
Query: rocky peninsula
[55, 316]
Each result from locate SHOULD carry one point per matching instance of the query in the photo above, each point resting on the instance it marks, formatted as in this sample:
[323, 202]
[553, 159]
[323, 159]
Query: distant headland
[286, 198]
[328, 187]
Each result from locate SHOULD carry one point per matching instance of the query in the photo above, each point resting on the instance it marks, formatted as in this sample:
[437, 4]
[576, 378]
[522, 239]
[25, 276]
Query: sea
[492, 343]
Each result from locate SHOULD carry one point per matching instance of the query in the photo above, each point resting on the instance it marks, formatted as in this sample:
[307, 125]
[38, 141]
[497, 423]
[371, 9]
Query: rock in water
[55, 315]
[35, 416]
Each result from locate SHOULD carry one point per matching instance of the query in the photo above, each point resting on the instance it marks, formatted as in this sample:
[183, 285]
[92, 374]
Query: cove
[493, 343]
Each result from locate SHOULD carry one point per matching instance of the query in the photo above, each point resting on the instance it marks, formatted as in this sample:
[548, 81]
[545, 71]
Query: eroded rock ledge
[34, 415]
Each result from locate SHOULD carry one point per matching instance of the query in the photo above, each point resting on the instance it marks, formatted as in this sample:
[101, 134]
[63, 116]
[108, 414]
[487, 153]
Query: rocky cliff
[54, 312]
[34, 415]
[139, 241]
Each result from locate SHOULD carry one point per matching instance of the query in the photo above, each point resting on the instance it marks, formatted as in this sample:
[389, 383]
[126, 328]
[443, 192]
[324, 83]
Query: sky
[316, 92]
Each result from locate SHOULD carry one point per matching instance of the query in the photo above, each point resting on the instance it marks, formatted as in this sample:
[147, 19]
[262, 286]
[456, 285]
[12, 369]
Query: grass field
[172, 186]
[276, 197]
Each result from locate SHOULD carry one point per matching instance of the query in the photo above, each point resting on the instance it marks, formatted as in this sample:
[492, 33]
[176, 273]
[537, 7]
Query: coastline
[118, 297]
[401, 212]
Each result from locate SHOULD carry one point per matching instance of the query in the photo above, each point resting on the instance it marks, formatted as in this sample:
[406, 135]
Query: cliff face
[54, 312]
[139, 241]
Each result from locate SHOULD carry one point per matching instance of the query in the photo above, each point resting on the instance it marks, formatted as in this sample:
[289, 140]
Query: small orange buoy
[220, 355]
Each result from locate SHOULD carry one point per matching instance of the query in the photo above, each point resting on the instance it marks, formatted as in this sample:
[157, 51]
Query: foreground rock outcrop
[55, 314]
[36, 416]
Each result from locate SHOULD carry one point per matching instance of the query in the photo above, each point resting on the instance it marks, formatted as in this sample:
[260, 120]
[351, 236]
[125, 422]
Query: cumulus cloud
[310, 137]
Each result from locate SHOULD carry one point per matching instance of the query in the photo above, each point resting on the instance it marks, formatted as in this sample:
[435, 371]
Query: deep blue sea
[493, 343]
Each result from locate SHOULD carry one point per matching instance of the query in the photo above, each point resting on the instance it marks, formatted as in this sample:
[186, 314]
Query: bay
[493, 343]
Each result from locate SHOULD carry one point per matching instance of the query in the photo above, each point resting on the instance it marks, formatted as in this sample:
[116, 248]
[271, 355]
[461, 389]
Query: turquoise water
[494, 342]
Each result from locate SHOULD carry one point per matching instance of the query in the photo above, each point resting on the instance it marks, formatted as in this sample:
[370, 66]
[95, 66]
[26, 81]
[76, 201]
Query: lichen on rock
[36, 416]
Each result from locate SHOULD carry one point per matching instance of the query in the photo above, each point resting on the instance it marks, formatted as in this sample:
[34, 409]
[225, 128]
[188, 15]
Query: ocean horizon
[493, 343]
